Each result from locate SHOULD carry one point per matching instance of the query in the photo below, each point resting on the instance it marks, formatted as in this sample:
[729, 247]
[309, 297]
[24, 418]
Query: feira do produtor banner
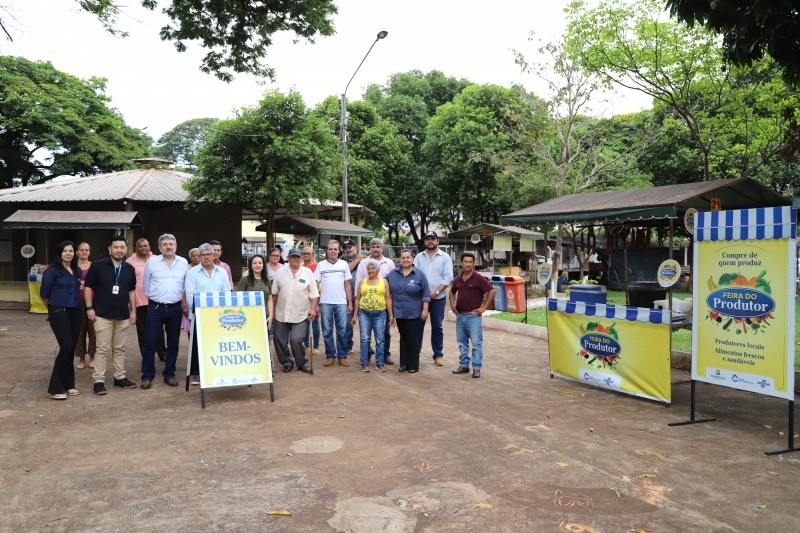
[625, 349]
[232, 339]
[744, 300]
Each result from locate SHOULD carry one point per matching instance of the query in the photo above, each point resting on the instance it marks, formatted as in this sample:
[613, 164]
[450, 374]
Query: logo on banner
[737, 302]
[232, 319]
[600, 345]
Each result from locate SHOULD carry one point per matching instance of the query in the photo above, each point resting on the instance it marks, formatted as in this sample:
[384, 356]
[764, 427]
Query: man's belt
[159, 304]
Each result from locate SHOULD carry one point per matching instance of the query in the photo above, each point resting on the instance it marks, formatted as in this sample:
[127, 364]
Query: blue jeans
[369, 322]
[314, 325]
[436, 316]
[161, 319]
[334, 315]
[468, 328]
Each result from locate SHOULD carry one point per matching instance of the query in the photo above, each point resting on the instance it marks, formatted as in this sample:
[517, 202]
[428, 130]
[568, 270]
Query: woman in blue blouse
[61, 284]
[410, 299]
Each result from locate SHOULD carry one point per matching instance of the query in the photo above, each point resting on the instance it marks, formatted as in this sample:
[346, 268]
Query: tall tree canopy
[182, 143]
[276, 155]
[236, 34]
[54, 124]
[750, 29]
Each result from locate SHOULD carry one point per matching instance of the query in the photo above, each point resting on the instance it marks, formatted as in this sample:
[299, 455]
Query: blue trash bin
[590, 294]
[500, 302]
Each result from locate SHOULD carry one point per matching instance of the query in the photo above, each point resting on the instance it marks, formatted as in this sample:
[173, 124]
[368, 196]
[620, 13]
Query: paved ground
[345, 451]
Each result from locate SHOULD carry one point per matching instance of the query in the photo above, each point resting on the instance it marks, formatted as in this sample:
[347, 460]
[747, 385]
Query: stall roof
[300, 225]
[330, 209]
[485, 229]
[41, 219]
[668, 201]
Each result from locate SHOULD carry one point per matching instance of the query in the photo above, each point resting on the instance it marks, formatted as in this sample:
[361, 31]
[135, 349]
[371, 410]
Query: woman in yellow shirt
[373, 307]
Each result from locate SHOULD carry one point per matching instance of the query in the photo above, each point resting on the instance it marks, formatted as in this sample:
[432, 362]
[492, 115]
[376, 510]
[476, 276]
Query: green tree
[276, 155]
[53, 124]
[182, 143]
[750, 30]
[236, 34]
[476, 121]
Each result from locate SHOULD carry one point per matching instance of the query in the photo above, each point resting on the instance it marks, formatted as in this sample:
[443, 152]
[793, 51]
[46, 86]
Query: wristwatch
[89, 308]
[437, 293]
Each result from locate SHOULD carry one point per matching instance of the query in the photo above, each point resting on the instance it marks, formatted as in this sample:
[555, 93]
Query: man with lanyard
[386, 266]
[294, 298]
[353, 259]
[111, 305]
[163, 280]
[335, 303]
[438, 268]
[205, 277]
[138, 260]
[469, 296]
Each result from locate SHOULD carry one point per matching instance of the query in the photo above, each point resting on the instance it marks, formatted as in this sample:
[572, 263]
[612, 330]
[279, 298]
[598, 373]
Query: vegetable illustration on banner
[600, 345]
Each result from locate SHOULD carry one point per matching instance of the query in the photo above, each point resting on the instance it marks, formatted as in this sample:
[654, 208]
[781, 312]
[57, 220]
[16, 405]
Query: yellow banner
[233, 346]
[624, 355]
[744, 315]
[502, 244]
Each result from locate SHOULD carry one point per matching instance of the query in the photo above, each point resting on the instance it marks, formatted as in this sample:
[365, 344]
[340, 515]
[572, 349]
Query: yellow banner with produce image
[744, 300]
[622, 348]
[232, 339]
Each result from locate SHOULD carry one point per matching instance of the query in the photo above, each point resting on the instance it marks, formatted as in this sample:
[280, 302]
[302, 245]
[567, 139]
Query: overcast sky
[156, 88]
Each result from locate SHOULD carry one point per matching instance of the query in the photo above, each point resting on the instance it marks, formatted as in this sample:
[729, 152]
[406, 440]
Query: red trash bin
[515, 294]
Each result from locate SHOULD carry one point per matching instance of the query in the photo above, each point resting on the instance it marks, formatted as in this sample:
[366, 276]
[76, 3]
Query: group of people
[102, 299]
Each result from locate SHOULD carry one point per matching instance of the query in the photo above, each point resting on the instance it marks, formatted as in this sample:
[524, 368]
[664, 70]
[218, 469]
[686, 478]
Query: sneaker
[439, 361]
[287, 367]
[365, 367]
[99, 389]
[388, 360]
[380, 368]
[194, 379]
[305, 368]
[125, 383]
[329, 361]
[315, 351]
[344, 362]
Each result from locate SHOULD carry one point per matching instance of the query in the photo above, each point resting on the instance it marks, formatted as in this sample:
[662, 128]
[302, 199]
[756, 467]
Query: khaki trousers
[111, 335]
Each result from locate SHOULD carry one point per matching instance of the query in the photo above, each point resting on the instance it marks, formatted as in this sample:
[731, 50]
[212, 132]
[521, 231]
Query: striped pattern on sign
[746, 224]
[228, 299]
[618, 312]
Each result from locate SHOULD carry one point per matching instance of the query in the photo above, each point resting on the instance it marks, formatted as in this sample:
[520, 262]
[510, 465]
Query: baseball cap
[431, 234]
[294, 251]
[348, 242]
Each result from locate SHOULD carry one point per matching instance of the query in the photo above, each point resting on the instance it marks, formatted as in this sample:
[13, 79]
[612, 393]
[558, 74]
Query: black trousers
[141, 323]
[409, 345]
[66, 325]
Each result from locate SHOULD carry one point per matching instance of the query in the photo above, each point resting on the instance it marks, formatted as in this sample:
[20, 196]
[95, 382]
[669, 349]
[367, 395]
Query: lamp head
[382, 35]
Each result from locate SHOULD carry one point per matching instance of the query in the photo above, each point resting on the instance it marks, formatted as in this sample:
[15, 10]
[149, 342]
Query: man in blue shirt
[111, 305]
[163, 281]
[438, 268]
[205, 277]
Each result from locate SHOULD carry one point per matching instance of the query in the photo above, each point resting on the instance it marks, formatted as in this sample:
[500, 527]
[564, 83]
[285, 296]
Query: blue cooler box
[590, 294]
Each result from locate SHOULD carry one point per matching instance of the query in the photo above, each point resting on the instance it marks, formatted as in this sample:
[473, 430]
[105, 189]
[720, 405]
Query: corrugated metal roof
[495, 229]
[148, 184]
[40, 218]
[651, 202]
[300, 225]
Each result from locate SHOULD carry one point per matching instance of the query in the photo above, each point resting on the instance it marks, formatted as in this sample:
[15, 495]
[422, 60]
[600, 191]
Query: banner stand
[692, 419]
[791, 447]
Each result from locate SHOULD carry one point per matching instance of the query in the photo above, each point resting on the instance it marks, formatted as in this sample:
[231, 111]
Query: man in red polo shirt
[469, 296]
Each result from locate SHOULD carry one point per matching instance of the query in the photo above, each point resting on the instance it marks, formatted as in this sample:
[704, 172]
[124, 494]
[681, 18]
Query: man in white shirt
[294, 297]
[163, 280]
[438, 268]
[335, 303]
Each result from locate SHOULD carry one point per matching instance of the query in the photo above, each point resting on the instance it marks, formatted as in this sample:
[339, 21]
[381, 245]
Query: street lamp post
[343, 130]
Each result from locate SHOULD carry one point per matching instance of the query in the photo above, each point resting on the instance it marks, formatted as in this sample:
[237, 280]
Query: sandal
[81, 364]
[91, 362]
[73, 392]
[61, 396]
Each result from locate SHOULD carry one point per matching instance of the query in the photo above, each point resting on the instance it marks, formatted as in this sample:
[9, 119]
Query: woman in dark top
[256, 279]
[410, 299]
[61, 284]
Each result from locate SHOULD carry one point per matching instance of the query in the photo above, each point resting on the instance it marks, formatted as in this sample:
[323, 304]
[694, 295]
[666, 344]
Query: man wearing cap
[386, 266]
[353, 259]
[294, 296]
[438, 268]
[469, 296]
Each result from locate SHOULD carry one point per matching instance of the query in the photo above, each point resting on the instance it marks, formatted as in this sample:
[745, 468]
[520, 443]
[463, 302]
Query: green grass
[681, 339]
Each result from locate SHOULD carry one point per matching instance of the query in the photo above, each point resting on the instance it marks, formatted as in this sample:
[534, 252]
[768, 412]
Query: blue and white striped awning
[619, 312]
[228, 299]
[746, 224]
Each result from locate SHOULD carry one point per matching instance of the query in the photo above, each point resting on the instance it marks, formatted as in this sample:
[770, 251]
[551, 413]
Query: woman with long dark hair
[61, 292]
